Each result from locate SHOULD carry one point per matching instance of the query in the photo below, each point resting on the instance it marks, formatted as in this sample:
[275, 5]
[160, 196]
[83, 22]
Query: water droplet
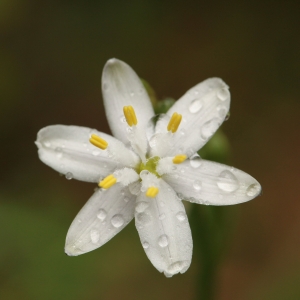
[105, 86]
[196, 162]
[58, 151]
[47, 144]
[145, 245]
[162, 216]
[253, 190]
[209, 128]
[180, 196]
[182, 131]
[163, 241]
[227, 181]
[190, 152]
[123, 119]
[227, 116]
[134, 188]
[179, 266]
[79, 220]
[196, 92]
[222, 110]
[69, 175]
[131, 93]
[197, 185]
[101, 215]
[181, 216]
[143, 218]
[141, 206]
[95, 236]
[195, 106]
[223, 94]
[96, 152]
[117, 221]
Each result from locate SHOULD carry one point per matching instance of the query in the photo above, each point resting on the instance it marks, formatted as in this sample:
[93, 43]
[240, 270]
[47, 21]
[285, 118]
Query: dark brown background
[51, 59]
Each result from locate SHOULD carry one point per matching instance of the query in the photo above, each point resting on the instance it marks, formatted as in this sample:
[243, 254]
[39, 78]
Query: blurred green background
[51, 57]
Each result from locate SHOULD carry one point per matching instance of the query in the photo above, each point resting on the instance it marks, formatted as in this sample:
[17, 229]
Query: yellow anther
[130, 116]
[174, 122]
[108, 182]
[98, 142]
[152, 192]
[178, 159]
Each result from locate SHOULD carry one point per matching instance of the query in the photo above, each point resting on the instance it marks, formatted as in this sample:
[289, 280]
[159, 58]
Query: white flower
[147, 169]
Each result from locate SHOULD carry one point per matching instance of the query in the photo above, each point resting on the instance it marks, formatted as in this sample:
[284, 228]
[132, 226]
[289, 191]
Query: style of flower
[147, 169]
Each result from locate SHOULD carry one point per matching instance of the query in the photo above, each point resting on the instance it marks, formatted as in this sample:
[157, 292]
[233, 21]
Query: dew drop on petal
[182, 131]
[69, 175]
[163, 241]
[195, 106]
[209, 128]
[197, 185]
[95, 236]
[101, 215]
[141, 206]
[145, 245]
[122, 119]
[143, 218]
[117, 221]
[162, 216]
[227, 182]
[96, 152]
[223, 94]
[196, 162]
[105, 86]
[181, 216]
[253, 189]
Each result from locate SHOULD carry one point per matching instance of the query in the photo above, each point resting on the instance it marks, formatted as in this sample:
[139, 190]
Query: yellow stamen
[108, 181]
[174, 122]
[98, 142]
[178, 159]
[152, 192]
[130, 116]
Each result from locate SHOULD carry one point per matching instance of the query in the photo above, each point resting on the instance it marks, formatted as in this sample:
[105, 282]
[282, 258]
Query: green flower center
[150, 165]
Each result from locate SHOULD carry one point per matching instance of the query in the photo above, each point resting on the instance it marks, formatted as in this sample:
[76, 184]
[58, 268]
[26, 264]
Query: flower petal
[67, 150]
[203, 109]
[164, 230]
[211, 183]
[122, 87]
[105, 214]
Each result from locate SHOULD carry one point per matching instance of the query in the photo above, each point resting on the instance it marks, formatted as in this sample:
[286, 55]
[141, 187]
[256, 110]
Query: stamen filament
[130, 116]
[152, 192]
[174, 122]
[178, 159]
[108, 181]
[98, 142]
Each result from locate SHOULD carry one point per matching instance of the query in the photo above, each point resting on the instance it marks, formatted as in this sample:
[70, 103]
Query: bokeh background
[51, 57]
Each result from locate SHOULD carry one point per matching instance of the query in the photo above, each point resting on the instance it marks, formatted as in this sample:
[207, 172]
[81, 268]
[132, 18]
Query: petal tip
[72, 250]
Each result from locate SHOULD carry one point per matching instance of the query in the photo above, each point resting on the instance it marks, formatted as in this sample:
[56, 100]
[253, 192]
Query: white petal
[164, 230]
[126, 176]
[67, 150]
[122, 87]
[105, 214]
[211, 183]
[203, 109]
